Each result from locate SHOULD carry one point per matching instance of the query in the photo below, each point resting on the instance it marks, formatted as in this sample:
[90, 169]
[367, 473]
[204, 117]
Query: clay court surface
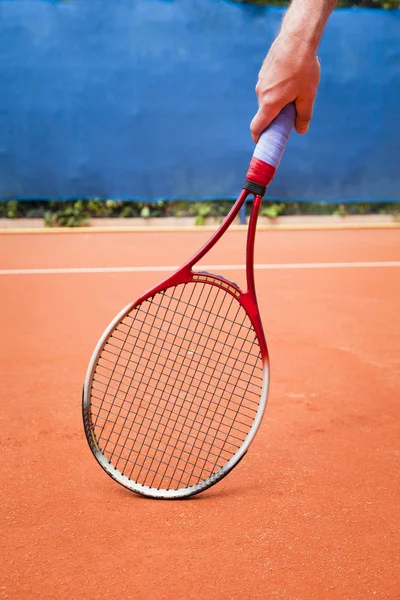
[313, 509]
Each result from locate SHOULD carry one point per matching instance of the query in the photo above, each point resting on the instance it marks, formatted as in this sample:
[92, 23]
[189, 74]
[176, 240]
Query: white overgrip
[273, 140]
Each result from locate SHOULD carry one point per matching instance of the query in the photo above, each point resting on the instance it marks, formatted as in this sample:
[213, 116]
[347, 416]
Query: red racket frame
[247, 299]
[259, 175]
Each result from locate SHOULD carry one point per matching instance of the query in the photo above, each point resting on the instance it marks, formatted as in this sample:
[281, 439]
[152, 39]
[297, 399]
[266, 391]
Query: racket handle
[269, 151]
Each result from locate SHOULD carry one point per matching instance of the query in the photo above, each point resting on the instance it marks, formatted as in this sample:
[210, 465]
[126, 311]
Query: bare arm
[291, 70]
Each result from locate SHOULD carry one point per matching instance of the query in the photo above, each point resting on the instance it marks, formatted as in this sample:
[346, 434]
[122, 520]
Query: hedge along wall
[150, 99]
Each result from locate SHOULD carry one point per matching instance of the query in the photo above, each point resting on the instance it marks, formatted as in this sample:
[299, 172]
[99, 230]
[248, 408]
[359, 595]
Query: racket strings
[179, 317]
[207, 432]
[251, 412]
[177, 387]
[178, 337]
[232, 419]
[143, 350]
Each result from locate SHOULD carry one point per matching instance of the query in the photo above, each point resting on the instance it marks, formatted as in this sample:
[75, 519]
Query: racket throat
[255, 188]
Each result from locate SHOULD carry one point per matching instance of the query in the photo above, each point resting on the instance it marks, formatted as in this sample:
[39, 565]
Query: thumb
[304, 110]
[262, 119]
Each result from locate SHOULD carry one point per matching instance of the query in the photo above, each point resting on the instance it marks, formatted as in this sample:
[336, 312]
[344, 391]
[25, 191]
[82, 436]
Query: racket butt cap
[255, 188]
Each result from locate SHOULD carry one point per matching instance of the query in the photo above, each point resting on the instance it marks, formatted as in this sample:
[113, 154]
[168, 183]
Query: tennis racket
[177, 385]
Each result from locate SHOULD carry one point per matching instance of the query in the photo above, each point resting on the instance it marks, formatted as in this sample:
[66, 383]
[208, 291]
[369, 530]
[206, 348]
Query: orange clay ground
[313, 509]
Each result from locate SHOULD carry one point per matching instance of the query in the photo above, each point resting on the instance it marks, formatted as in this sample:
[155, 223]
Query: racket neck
[230, 217]
[250, 246]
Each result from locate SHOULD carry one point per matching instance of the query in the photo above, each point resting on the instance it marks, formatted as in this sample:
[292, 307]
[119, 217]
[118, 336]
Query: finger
[304, 110]
[262, 119]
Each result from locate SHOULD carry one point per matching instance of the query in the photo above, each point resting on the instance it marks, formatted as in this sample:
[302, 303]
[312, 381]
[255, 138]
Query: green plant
[101, 208]
[145, 212]
[72, 214]
[127, 211]
[12, 209]
[272, 211]
[201, 210]
[176, 208]
[76, 212]
[341, 211]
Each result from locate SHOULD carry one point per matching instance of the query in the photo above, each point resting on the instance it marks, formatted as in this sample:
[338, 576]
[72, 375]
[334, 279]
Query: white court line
[213, 268]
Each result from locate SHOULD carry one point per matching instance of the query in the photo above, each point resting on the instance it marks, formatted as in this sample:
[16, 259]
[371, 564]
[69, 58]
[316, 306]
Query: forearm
[306, 20]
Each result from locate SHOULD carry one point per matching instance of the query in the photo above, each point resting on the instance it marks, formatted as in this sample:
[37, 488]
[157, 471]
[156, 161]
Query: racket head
[177, 386]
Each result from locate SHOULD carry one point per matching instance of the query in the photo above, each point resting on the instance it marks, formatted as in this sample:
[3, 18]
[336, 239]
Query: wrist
[304, 30]
[296, 45]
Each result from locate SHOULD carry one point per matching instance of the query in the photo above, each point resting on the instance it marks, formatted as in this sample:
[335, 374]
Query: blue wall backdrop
[152, 99]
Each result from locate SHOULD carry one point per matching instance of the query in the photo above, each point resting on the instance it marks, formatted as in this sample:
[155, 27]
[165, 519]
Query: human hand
[290, 73]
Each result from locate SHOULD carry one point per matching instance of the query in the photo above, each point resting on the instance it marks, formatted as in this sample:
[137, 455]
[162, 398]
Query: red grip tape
[260, 172]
